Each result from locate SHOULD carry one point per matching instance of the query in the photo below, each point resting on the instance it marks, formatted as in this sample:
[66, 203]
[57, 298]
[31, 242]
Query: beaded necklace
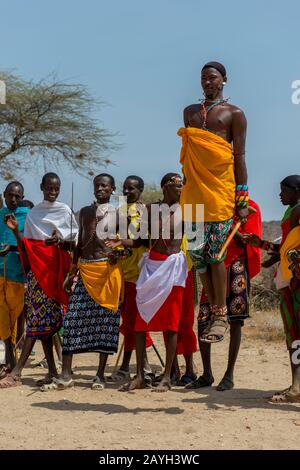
[205, 111]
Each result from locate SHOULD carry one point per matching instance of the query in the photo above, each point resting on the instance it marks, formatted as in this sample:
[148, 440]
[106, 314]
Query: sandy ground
[80, 418]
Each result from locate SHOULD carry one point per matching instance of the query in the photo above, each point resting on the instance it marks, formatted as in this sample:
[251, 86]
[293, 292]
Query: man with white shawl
[160, 286]
[49, 233]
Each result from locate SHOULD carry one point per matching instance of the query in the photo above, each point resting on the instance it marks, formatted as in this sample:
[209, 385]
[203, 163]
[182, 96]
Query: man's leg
[126, 361]
[219, 283]
[175, 372]
[189, 365]
[102, 364]
[47, 344]
[295, 388]
[66, 372]
[234, 347]
[171, 344]
[10, 359]
[27, 348]
[217, 238]
[206, 379]
[139, 380]
[57, 344]
[207, 283]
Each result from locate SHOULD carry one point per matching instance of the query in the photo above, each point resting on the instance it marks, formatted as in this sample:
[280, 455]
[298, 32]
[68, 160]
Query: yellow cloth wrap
[11, 306]
[131, 269]
[208, 165]
[130, 266]
[103, 282]
[185, 251]
[292, 242]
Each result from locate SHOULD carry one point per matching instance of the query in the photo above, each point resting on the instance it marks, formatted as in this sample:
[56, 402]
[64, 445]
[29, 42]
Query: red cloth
[253, 225]
[167, 318]
[49, 265]
[285, 229]
[187, 340]
[129, 313]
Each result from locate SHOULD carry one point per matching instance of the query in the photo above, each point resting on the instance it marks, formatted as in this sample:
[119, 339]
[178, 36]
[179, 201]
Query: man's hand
[252, 239]
[242, 214]
[113, 243]
[11, 222]
[53, 240]
[4, 249]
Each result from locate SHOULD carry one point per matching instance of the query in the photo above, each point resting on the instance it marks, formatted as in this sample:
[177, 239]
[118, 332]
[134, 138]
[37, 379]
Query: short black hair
[15, 183]
[26, 203]
[51, 176]
[292, 181]
[217, 66]
[112, 179]
[141, 184]
[167, 178]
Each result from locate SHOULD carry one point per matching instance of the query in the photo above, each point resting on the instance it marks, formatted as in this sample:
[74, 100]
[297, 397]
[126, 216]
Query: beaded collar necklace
[205, 111]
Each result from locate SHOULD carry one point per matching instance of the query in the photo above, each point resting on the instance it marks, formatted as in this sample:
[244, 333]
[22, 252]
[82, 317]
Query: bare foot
[286, 397]
[135, 384]
[10, 381]
[163, 386]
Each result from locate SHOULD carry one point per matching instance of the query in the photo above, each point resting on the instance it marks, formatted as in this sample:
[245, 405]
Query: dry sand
[80, 418]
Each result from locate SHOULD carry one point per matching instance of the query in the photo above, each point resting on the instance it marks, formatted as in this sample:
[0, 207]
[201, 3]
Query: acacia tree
[50, 123]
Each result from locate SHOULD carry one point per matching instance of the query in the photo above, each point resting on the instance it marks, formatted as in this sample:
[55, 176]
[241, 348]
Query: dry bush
[265, 325]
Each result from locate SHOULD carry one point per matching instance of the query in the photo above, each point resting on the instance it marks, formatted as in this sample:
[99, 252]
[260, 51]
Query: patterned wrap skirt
[238, 289]
[88, 326]
[44, 316]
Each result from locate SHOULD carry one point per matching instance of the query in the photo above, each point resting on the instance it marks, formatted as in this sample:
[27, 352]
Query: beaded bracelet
[242, 196]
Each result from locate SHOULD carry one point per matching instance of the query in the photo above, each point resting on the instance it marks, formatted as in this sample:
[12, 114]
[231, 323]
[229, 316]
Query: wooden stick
[225, 246]
[158, 355]
[22, 337]
[119, 357]
[235, 229]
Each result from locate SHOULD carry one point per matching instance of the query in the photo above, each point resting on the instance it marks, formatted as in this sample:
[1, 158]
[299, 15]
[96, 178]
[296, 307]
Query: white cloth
[47, 216]
[156, 281]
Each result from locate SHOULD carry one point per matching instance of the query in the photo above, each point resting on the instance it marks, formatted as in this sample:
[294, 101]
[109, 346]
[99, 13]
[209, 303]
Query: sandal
[10, 381]
[149, 379]
[42, 364]
[4, 371]
[98, 384]
[186, 379]
[218, 328]
[57, 384]
[201, 382]
[45, 381]
[120, 376]
[225, 384]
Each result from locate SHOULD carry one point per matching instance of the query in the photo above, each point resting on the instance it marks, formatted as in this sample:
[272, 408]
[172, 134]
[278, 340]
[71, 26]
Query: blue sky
[144, 59]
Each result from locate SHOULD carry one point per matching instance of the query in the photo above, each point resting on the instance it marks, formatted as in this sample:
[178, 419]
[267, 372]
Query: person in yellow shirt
[133, 187]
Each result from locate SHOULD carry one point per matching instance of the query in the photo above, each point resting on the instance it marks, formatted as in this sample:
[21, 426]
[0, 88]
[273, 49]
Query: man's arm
[186, 115]
[239, 130]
